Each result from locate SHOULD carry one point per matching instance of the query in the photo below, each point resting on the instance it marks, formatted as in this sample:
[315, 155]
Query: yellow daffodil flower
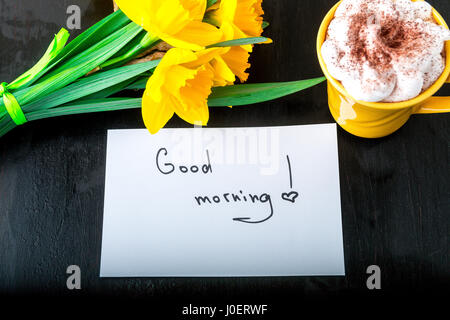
[246, 16]
[237, 19]
[235, 58]
[181, 84]
[183, 80]
[177, 22]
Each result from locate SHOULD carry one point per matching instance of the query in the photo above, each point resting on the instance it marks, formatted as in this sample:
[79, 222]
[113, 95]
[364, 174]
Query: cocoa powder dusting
[395, 38]
[385, 50]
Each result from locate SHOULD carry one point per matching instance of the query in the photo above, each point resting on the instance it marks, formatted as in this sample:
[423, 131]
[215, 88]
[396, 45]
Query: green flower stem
[89, 106]
[52, 52]
[76, 67]
[237, 95]
[59, 84]
[145, 44]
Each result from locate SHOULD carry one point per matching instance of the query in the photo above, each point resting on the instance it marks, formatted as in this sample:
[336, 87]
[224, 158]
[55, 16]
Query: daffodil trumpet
[185, 54]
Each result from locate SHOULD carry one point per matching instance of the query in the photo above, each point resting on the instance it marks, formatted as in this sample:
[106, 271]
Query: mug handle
[435, 105]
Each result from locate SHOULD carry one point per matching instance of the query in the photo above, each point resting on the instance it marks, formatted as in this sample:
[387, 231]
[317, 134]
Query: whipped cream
[385, 50]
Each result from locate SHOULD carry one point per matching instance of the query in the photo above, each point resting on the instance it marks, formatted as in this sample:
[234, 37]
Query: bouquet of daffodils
[198, 49]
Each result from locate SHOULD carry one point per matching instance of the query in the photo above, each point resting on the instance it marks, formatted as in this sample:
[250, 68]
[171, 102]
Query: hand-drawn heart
[291, 196]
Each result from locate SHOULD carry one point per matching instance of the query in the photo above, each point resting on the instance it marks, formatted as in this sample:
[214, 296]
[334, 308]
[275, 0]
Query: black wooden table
[395, 191]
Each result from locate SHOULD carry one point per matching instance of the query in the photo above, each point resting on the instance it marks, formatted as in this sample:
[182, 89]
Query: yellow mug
[373, 119]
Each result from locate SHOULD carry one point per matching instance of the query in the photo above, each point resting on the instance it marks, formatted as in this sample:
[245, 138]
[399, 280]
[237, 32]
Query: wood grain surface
[395, 191]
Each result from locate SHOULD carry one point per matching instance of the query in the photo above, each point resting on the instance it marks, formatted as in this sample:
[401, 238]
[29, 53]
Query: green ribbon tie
[12, 106]
[26, 79]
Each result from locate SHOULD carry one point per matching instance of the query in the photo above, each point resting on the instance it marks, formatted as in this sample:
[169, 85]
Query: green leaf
[210, 3]
[78, 66]
[245, 94]
[140, 44]
[136, 83]
[55, 48]
[132, 44]
[105, 93]
[239, 42]
[89, 106]
[91, 36]
[140, 83]
[99, 52]
[265, 24]
[221, 97]
[89, 85]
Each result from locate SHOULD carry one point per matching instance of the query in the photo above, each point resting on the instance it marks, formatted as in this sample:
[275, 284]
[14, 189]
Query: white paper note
[253, 202]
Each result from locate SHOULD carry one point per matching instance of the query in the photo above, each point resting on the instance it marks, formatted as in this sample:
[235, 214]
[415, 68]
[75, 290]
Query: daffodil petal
[196, 35]
[136, 10]
[178, 78]
[237, 61]
[195, 96]
[182, 84]
[155, 114]
[197, 8]
[227, 31]
[238, 34]
[177, 22]
[248, 17]
[228, 9]
[170, 17]
[205, 56]
[215, 6]
[245, 15]
[223, 75]
[173, 57]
